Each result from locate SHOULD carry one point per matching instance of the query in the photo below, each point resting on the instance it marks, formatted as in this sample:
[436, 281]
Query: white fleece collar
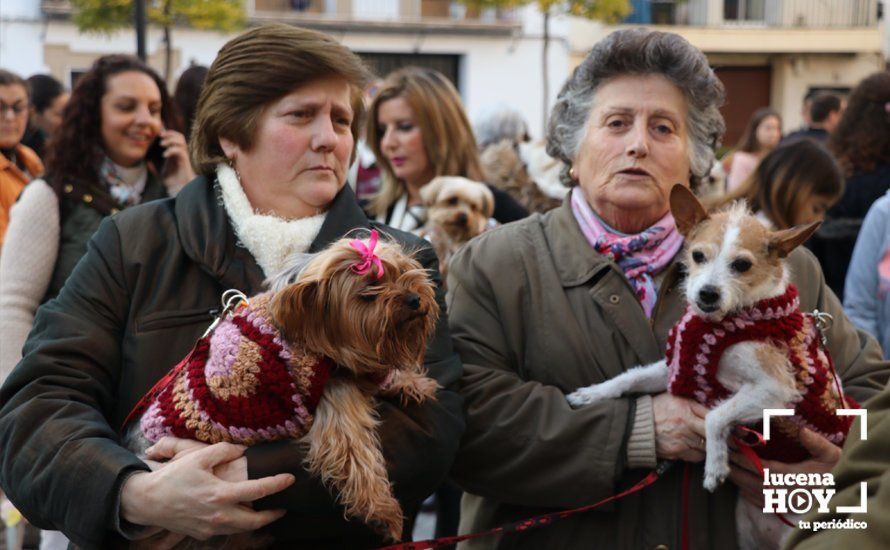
[270, 239]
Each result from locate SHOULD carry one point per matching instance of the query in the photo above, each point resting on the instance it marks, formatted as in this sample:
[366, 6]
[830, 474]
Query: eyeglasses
[16, 108]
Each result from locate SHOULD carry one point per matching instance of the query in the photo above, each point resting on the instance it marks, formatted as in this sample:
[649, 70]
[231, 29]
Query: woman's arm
[26, 267]
[861, 301]
[524, 444]
[63, 466]
[63, 463]
[856, 354]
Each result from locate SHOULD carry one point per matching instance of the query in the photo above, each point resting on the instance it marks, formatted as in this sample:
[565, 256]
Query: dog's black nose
[709, 295]
[412, 301]
[461, 218]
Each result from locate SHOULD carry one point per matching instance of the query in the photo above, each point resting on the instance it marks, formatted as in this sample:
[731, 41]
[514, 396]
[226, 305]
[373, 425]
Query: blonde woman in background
[418, 130]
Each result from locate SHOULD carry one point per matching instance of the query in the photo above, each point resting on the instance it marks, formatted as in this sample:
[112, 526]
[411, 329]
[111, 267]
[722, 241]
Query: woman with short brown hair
[275, 134]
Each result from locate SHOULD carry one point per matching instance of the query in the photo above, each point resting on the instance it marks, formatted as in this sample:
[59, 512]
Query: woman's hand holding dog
[201, 493]
[679, 428]
[750, 482]
[168, 449]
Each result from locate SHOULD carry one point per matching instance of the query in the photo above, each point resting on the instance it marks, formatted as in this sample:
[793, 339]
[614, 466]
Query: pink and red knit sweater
[241, 384]
[696, 344]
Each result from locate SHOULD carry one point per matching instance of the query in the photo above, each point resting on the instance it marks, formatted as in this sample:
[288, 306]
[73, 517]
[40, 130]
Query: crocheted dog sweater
[241, 384]
[696, 344]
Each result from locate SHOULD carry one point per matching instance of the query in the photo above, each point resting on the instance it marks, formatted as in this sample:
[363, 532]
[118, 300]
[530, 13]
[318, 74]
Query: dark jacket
[535, 314]
[506, 208]
[833, 243]
[133, 307]
[816, 134]
[78, 221]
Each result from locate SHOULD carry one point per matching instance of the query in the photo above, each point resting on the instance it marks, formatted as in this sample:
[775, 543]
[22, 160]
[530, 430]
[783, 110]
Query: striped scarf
[640, 256]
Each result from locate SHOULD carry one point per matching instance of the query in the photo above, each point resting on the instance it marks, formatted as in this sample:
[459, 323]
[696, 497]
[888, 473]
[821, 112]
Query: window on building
[664, 12]
[744, 10]
[381, 64]
[75, 75]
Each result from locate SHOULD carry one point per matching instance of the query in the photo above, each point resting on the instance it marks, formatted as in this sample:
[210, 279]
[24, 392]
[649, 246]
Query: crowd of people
[126, 211]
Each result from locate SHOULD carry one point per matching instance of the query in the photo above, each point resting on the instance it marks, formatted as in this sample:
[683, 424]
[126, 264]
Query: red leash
[747, 450]
[533, 522]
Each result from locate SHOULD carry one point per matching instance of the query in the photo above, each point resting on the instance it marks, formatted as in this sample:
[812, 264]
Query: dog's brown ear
[687, 211]
[430, 192]
[781, 243]
[487, 200]
[295, 311]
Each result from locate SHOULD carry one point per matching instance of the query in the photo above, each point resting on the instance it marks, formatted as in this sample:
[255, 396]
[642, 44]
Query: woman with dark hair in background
[118, 145]
[861, 144]
[48, 100]
[761, 136]
[188, 90]
[795, 183]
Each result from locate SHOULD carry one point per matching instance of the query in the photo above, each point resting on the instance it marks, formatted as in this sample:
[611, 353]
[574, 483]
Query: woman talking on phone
[119, 145]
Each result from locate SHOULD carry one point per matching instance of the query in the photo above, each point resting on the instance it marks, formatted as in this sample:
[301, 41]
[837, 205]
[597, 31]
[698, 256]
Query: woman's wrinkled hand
[186, 496]
[170, 448]
[825, 456]
[679, 428]
[177, 166]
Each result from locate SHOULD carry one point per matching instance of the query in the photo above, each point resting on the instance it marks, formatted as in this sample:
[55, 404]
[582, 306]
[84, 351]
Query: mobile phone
[155, 155]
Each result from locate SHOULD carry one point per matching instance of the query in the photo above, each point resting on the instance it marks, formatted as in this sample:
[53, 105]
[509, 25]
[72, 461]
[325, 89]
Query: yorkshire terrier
[305, 360]
[742, 346]
[458, 209]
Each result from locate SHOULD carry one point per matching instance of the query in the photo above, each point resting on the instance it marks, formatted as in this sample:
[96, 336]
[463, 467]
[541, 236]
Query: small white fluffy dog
[729, 350]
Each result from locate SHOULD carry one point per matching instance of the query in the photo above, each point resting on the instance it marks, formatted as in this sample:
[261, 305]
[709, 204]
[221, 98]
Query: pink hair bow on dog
[369, 257]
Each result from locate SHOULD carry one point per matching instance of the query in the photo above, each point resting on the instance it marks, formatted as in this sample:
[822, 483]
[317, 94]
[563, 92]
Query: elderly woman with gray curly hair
[569, 298]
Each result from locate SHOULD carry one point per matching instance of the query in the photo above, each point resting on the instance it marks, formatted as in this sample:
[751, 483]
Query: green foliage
[106, 16]
[607, 11]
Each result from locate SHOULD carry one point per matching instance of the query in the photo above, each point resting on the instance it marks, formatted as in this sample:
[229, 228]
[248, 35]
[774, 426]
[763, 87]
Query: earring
[231, 164]
[572, 173]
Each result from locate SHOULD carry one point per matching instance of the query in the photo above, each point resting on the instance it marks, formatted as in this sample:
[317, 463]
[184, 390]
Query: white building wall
[21, 35]
[793, 75]
[494, 70]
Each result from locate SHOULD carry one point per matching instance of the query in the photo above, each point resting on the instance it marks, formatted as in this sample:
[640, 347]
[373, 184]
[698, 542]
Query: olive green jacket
[535, 313]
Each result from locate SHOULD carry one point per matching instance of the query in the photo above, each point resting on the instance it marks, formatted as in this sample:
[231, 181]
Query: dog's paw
[715, 475]
[421, 388]
[588, 395]
[388, 519]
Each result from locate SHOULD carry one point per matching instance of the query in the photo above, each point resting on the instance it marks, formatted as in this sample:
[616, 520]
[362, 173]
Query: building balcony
[799, 14]
[406, 16]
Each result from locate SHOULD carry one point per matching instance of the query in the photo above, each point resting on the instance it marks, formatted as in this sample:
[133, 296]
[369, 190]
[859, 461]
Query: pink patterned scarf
[640, 256]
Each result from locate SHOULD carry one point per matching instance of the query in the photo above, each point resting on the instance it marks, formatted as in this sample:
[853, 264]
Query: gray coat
[535, 313]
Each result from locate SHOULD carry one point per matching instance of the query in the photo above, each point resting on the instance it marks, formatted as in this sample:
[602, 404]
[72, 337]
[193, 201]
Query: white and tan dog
[458, 209]
[742, 346]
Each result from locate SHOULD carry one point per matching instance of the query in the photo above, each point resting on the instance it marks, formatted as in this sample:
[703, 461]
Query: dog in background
[458, 209]
[742, 346]
[505, 167]
[305, 361]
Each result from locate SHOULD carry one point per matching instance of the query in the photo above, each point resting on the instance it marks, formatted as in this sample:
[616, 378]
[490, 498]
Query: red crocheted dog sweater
[696, 344]
[241, 384]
